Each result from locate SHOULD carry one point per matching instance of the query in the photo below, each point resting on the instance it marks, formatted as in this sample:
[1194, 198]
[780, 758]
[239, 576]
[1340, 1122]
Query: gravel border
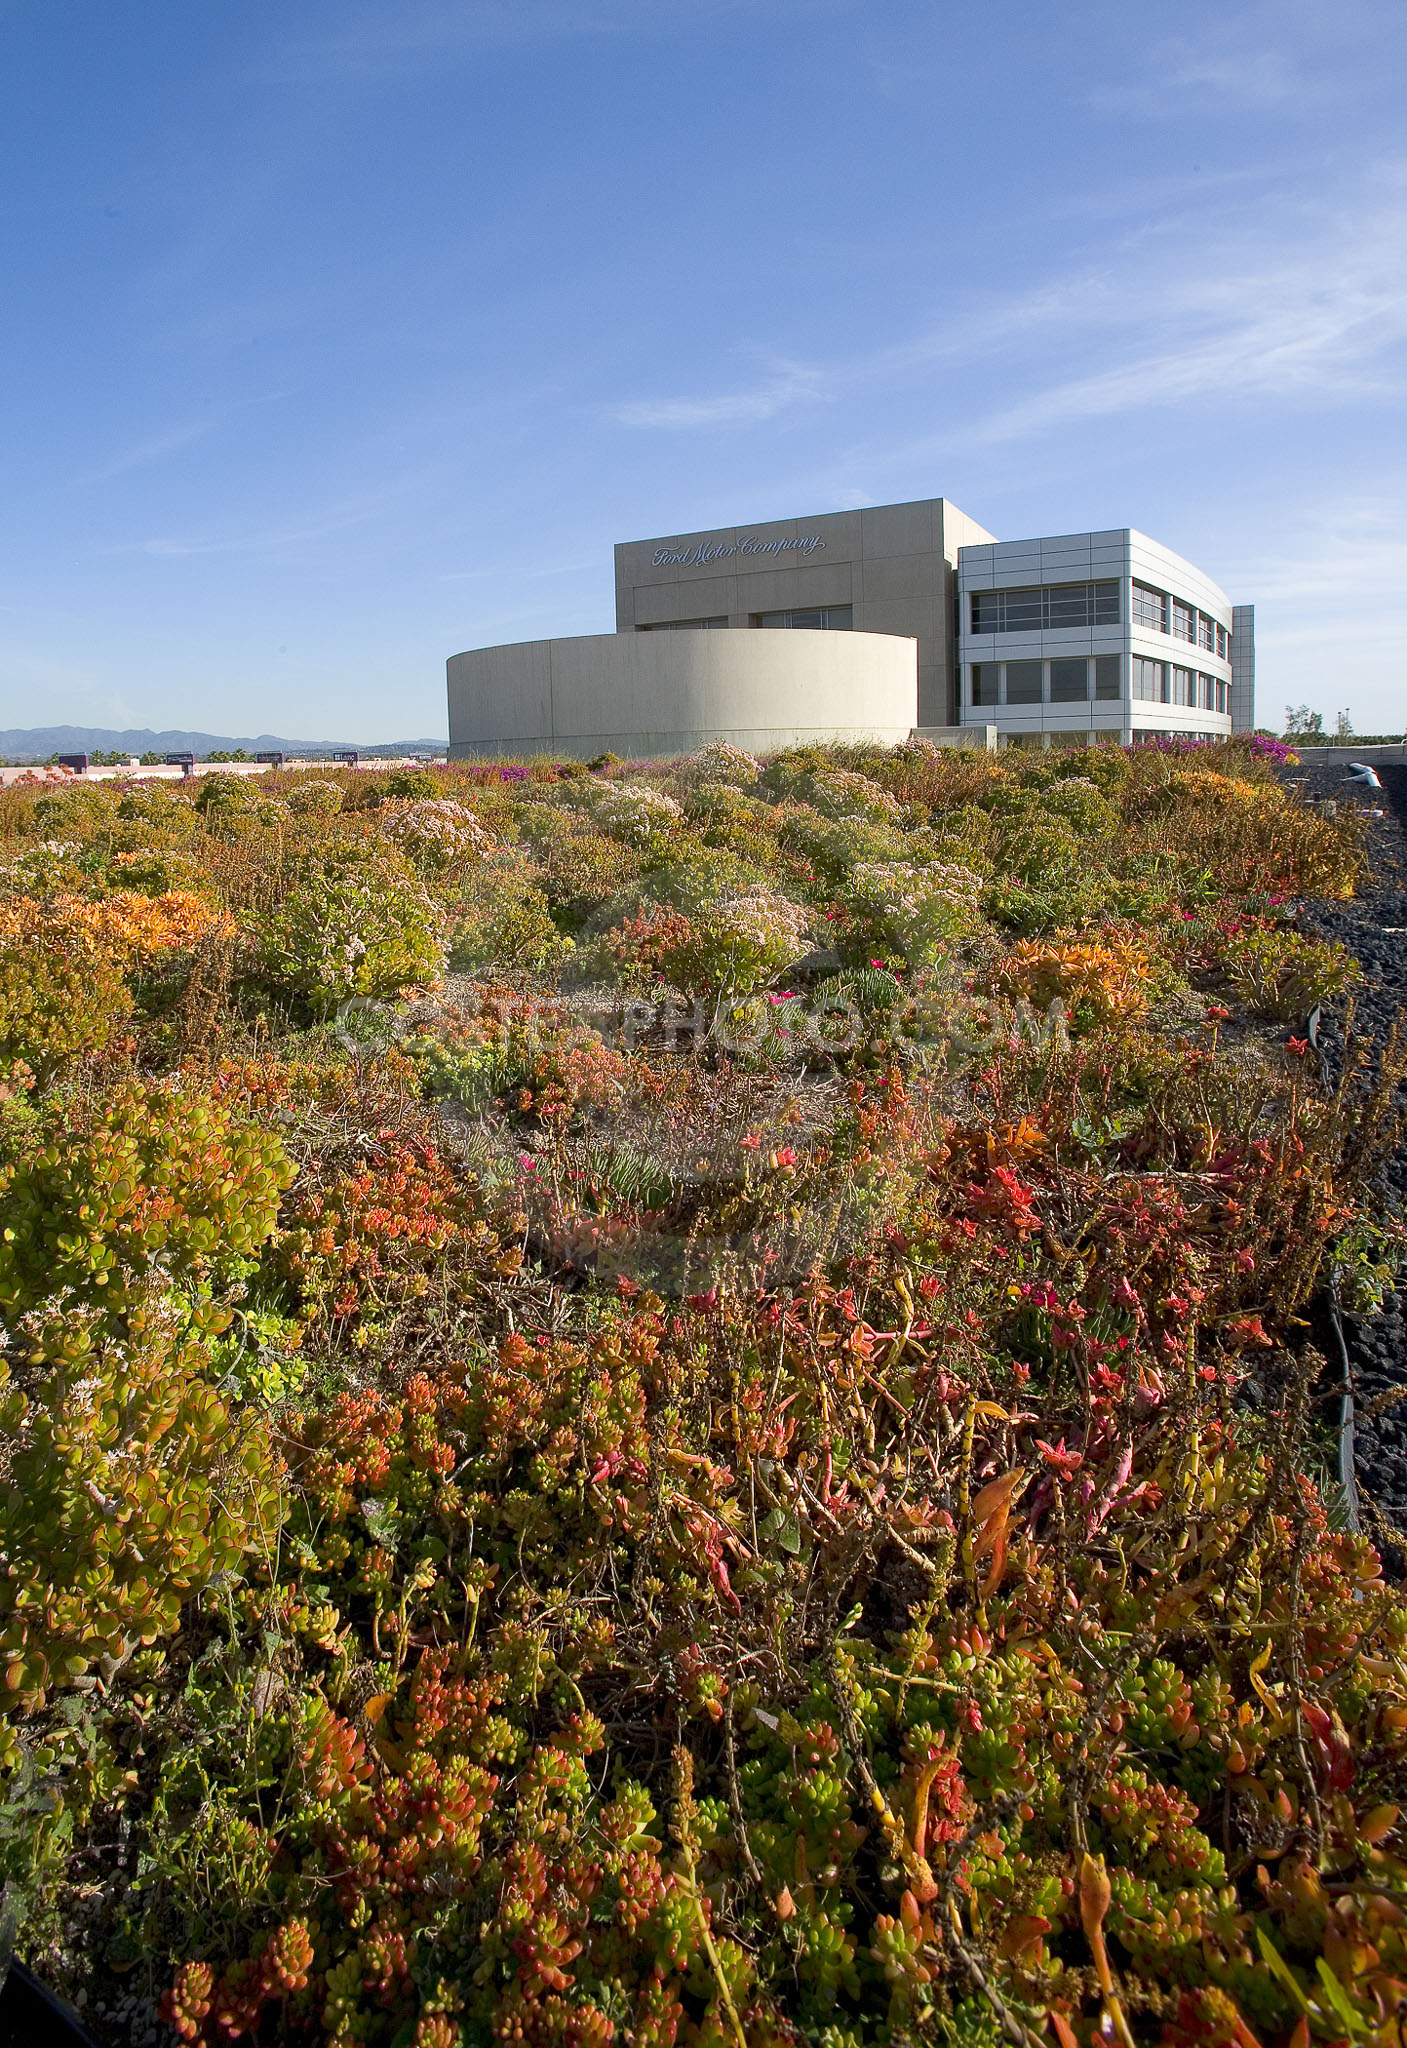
[1374, 929]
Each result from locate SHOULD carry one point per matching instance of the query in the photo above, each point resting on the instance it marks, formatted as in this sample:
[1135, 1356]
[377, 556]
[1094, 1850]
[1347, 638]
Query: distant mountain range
[38, 742]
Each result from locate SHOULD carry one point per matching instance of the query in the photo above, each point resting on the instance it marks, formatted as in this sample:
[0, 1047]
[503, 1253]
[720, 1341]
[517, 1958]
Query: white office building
[928, 623]
[1100, 635]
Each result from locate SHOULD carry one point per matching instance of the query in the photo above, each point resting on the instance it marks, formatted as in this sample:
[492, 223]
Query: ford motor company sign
[718, 551]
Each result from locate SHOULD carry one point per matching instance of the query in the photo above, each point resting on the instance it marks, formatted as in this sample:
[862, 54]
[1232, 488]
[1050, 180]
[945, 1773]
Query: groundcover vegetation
[679, 1403]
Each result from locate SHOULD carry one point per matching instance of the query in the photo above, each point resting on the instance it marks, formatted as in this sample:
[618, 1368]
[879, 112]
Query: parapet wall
[640, 694]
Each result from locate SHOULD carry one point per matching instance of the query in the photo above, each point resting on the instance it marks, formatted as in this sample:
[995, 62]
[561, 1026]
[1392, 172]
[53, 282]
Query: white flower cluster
[840, 793]
[748, 935]
[1080, 803]
[718, 762]
[761, 911]
[315, 797]
[50, 864]
[635, 812]
[434, 831]
[916, 744]
[914, 911]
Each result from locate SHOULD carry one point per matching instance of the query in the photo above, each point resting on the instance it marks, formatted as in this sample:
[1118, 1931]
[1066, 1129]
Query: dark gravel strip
[1377, 1345]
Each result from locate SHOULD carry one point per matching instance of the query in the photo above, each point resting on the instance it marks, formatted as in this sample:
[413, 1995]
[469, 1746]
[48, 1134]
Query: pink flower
[751, 1142]
[786, 1157]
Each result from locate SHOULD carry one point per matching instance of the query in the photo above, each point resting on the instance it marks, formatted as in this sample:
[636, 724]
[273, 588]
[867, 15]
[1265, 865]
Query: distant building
[1069, 638]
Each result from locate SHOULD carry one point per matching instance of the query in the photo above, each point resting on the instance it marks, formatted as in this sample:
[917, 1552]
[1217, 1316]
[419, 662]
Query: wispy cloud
[1270, 56]
[155, 448]
[1356, 550]
[1268, 301]
[341, 517]
[1322, 323]
[792, 384]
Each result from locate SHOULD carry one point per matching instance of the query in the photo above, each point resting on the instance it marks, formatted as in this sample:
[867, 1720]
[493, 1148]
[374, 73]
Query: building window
[986, 679]
[1051, 607]
[1223, 642]
[1184, 622]
[1149, 681]
[684, 625]
[1023, 682]
[1069, 682]
[1107, 679]
[1221, 697]
[831, 618]
[1150, 608]
[1206, 692]
[1206, 632]
[1184, 686]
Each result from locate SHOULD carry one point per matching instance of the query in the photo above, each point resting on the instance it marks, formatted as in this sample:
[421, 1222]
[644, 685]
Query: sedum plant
[356, 922]
[435, 834]
[130, 1485]
[1285, 974]
[162, 1184]
[915, 914]
[637, 814]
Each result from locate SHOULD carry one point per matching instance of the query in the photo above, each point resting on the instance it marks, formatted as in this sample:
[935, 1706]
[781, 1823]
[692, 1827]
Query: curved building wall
[638, 694]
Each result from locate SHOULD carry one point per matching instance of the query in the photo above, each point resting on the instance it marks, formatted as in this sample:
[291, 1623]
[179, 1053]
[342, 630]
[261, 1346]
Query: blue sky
[335, 338]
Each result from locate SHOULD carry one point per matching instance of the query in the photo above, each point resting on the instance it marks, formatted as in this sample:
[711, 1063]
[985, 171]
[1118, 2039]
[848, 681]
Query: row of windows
[1168, 732]
[1046, 608]
[834, 618]
[1179, 620]
[1163, 682]
[1046, 682]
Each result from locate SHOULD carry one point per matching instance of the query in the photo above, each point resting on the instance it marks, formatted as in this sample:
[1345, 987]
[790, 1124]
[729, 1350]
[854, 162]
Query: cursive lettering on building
[718, 551]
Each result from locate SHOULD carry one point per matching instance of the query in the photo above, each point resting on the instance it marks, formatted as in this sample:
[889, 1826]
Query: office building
[926, 622]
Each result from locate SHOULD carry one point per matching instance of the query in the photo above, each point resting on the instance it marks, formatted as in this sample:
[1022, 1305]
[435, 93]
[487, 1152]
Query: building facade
[1105, 635]
[1067, 638]
[640, 694]
[883, 569]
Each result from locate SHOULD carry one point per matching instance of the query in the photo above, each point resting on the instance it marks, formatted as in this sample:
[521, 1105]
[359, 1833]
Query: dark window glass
[834, 618]
[1150, 608]
[1107, 679]
[1023, 611]
[1069, 682]
[1053, 607]
[985, 677]
[684, 625]
[1023, 682]
[1070, 606]
[1221, 697]
[1184, 621]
